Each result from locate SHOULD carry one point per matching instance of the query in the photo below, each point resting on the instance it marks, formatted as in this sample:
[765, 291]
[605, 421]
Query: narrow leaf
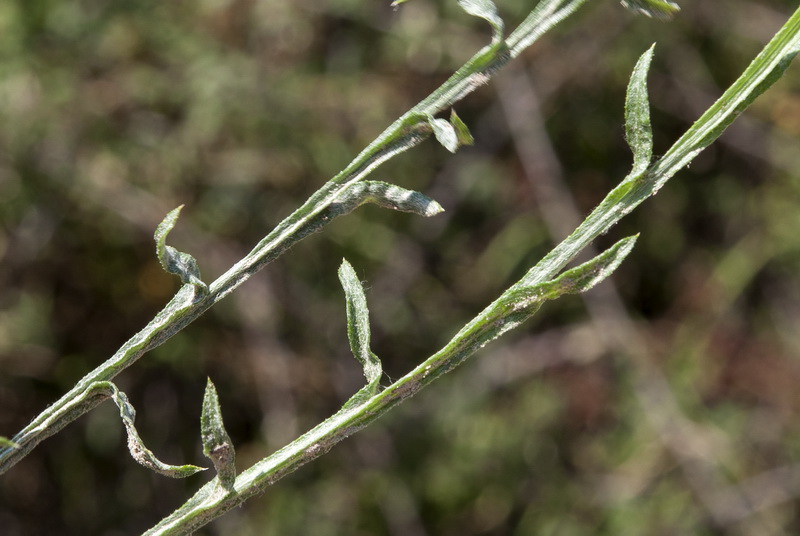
[445, 133]
[487, 10]
[659, 9]
[389, 196]
[358, 331]
[217, 445]
[587, 275]
[162, 231]
[579, 279]
[7, 443]
[141, 453]
[463, 135]
[638, 130]
[173, 261]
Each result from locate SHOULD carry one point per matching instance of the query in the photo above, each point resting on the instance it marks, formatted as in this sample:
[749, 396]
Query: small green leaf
[445, 133]
[522, 300]
[173, 261]
[7, 443]
[358, 333]
[396, 3]
[487, 10]
[217, 445]
[659, 9]
[638, 130]
[463, 135]
[579, 279]
[451, 134]
[139, 452]
[587, 275]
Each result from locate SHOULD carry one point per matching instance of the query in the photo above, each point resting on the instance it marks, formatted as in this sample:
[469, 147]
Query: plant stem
[513, 307]
[188, 304]
[211, 501]
[762, 72]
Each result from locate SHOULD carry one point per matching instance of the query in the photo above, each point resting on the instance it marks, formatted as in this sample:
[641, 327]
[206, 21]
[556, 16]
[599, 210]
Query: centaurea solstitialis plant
[348, 190]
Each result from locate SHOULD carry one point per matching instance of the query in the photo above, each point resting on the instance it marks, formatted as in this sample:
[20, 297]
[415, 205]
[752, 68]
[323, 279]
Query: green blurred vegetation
[113, 113]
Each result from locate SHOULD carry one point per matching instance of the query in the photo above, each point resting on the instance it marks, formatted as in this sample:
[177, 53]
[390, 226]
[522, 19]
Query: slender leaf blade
[638, 130]
[136, 446]
[389, 196]
[463, 135]
[173, 261]
[358, 331]
[525, 296]
[217, 445]
[589, 274]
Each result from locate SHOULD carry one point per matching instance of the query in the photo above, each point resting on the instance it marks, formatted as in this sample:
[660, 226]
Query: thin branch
[190, 303]
[699, 459]
[338, 196]
[208, 503]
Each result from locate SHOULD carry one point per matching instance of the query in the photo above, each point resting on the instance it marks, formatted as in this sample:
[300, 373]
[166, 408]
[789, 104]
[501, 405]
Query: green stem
[408, 131]
[513, 307]
[210, 502]
[762, 72]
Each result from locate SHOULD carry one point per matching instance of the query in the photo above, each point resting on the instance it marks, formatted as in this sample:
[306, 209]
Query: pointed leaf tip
[525, 296]
[358, 332]
[396, 197]
[638, 130]
[587, 275]
[173, 261]
[162, 231]
[217, 445]
[463, 134]
[387, 195]
[523, 299]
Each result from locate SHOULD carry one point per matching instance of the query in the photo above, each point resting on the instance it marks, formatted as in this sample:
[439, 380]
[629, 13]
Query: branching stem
[188, 304]
[342, 194]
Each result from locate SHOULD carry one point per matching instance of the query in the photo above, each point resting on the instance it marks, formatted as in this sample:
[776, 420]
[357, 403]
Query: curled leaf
[463, 135]
[445, 133]
[451, 134]
[139, 452]
[389, 196]
[638, 131]
[173, 261]
[358, 333]
[659, 9]
[487, 10]
[217, 445]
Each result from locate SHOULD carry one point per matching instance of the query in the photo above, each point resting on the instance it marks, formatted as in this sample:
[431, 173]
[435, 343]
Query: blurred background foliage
[113, 113]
